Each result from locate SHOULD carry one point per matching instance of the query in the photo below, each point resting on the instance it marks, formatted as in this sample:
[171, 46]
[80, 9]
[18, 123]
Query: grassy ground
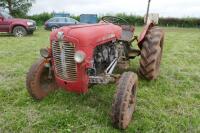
[169, 104]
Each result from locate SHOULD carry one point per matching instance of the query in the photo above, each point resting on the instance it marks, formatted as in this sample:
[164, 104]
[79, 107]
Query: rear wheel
[39, 85]
[125, 100]
[151, 54]
[19, 31]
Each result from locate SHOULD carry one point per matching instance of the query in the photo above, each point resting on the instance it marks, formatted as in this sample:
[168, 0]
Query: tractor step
[100, 79]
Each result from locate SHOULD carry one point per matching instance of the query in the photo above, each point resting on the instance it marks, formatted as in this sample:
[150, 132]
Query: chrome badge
[60, 35]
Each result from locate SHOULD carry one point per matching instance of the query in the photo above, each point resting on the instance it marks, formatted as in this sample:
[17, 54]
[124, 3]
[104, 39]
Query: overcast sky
[166, 8]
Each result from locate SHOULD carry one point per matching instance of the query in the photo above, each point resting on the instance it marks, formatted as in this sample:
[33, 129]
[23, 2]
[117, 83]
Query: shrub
[132, 19]
[41, 18]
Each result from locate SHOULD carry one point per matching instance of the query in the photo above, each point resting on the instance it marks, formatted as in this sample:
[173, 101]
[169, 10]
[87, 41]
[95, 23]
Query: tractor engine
[103, 56]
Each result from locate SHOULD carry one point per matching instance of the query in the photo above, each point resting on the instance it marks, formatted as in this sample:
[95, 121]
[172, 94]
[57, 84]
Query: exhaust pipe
[147, 15]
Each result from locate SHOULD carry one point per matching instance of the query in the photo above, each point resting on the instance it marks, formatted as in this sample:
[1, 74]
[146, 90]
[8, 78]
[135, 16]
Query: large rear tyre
[125, 100]
[151, 54]
[39, 85]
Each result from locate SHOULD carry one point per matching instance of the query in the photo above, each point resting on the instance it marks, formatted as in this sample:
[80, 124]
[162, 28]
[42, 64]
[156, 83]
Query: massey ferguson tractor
[85, 55]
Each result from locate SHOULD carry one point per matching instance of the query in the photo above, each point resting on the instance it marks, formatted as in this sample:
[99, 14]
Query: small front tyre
[125, 100]
[38, 83]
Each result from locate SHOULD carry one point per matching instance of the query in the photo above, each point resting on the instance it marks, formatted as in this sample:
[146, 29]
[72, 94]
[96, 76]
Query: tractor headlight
[79, 56]
[44, 52]
[29, 23]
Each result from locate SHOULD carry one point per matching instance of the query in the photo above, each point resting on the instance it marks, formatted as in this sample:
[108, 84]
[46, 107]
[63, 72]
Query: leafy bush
[180, 22]
[176, 22]
[132, 19]
[41, 18]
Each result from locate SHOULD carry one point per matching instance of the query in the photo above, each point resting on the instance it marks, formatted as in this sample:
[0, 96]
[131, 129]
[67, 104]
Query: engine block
[104, 55]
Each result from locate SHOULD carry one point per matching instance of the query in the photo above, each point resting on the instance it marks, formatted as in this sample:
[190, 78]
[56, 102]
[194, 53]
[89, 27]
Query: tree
[17, 8]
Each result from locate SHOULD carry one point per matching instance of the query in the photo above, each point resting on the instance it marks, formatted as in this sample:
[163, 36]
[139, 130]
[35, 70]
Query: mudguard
[143, 34]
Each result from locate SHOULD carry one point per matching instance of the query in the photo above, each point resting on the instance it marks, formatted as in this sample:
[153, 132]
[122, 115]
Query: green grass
[170, 104]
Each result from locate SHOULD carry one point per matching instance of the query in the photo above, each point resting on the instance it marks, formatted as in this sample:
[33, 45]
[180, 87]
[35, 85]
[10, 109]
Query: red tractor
[83, 55]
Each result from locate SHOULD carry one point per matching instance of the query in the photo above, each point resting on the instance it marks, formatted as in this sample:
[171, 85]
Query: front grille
[63, 55]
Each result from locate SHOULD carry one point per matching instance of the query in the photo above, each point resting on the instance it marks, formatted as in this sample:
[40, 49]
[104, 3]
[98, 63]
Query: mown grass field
[170, 104]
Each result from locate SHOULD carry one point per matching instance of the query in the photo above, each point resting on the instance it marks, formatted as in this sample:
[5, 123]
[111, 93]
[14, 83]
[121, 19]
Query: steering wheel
[114, 20]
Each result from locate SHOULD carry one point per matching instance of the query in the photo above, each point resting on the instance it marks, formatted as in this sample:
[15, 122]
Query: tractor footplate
[100, 79]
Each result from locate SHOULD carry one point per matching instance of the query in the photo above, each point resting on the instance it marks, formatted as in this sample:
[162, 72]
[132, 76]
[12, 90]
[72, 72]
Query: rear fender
[143, 34]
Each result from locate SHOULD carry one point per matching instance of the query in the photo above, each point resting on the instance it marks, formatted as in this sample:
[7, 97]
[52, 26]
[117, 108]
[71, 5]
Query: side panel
[4, 25]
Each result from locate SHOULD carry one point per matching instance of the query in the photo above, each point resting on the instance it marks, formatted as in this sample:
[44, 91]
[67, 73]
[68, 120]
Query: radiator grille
[63, 55]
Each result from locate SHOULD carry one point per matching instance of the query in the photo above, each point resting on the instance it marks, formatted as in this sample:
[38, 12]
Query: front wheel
[38, 83]
[125, 100]
[19, 31]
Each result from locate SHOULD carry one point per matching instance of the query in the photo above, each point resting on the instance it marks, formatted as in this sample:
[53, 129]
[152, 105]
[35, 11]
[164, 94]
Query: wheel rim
[19, 33]
[131, 105]
[44, 80]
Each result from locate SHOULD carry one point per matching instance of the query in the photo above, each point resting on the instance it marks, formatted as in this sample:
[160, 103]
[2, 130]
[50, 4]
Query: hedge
[41, 18]
[132, 19]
